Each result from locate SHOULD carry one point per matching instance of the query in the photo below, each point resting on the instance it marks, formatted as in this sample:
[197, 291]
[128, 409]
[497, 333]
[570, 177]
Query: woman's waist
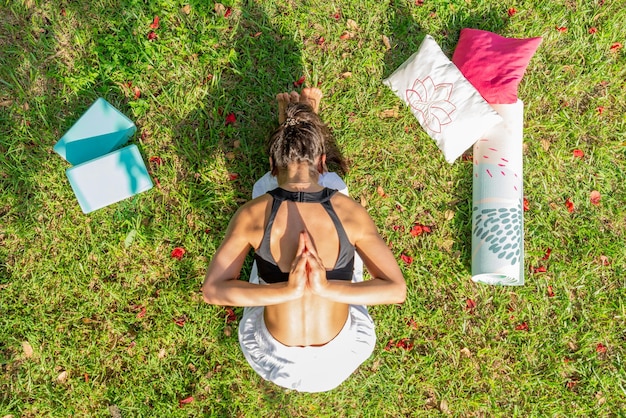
[306, 321]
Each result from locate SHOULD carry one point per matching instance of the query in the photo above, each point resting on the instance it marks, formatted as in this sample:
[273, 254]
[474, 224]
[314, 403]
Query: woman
[305, 326]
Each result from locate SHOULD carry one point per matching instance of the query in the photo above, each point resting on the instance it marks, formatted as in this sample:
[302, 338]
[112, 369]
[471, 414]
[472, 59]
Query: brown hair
[303, 137]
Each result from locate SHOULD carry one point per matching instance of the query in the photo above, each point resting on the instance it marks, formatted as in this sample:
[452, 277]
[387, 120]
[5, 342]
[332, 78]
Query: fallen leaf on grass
[62, 377]
[526, 205]
[550, 292]
[465, 352]
[604, 260]
[407, 259]
[346, 74]
[547, 254]
[570, 205]
[155, 23]
[136, 92]
[152, 35]
[470, 305]
[616, 46]
[352, 25]
[601, 348]
[381, 191]
[231, 316]
[161, 354]
[156, 160]
[141, 313]
[186, 9]
[180, 321]
[389, 113]
[578, 153]
[386, 43]
[27, 348]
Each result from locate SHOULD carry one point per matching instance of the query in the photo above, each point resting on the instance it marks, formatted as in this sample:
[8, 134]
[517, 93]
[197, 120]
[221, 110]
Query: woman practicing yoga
[305, 325]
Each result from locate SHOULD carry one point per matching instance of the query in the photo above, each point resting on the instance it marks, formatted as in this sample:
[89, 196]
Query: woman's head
[303, 138]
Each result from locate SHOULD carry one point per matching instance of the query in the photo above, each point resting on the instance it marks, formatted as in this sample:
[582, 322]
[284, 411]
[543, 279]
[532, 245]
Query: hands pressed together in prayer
[307, 272]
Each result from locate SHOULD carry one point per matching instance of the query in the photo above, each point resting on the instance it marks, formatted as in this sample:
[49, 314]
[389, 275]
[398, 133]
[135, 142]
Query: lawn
[97, 316]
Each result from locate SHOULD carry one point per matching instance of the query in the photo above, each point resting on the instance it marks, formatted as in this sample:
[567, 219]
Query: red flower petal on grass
[419, 2]
[522, 327]
[540, 269]
[561, 29]
[185, 401]
[600, 110]
[156, 160]
[511, 12]
[470, 305]
[320, 41]
[405, 344]
[419, 229]
[152, 35]
[137, 92]
[604, 260]
[407, 259]
[337, 16]
[600, 348]
[592, 30]
[411, 322]
[570, 205]
[550, 292]
[578, 153]
[389, 345]
[155, 23]
[178, 253]
[547, 254]
[141, 313]
[594, 197]
[233, 176]
[180, 321]
[228, 12]
[231, 316]
[616, 46]
[230, 119]
[299, 81]
[526, 205]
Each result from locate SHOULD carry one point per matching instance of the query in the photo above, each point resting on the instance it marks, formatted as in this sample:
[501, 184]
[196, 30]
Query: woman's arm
[222, 285]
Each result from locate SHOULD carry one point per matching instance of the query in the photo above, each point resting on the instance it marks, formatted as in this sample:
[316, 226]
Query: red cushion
[494, 64]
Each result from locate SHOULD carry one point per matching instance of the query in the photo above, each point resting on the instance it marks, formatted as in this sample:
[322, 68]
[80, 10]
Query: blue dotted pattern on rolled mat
[501, 229]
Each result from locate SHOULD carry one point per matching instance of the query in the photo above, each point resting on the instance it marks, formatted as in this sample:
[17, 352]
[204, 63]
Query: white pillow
[447, 106]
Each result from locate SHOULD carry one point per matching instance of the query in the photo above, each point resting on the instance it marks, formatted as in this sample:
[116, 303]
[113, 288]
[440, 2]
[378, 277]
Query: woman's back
[310, 320]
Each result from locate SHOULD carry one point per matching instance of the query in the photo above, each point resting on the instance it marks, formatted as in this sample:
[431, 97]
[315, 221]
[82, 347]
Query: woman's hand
[297, 282]
[316, 272]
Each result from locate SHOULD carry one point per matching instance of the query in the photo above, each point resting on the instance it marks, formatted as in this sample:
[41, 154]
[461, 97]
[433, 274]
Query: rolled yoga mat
[497, 201]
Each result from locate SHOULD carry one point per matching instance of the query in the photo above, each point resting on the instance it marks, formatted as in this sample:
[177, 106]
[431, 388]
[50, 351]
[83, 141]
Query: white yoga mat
[497, 201]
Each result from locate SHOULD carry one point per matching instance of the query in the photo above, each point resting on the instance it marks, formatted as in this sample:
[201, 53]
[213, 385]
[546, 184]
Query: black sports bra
[267, 267]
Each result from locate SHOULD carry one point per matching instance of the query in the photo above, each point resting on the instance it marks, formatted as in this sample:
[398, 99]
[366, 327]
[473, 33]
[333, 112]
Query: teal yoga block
[100, 130]
[108, 179]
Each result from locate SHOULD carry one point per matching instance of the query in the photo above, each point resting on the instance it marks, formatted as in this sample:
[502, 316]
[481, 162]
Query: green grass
[72, 286]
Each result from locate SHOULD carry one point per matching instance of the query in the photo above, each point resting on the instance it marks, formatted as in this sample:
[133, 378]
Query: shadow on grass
[407, 37]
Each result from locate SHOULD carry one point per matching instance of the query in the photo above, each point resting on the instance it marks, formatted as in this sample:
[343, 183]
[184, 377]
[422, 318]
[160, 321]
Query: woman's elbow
[400, 293]
[209, 294]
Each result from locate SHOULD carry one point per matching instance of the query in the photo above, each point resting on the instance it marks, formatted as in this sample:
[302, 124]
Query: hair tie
[290, 122]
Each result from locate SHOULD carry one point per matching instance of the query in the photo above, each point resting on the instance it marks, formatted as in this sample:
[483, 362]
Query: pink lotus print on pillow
[431, 103]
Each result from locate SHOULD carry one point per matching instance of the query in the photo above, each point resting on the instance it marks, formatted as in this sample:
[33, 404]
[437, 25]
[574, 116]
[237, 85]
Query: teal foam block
[100, 130]
[109, 179]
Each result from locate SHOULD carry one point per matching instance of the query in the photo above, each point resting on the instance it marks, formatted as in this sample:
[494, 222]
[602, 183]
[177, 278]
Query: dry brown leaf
[161, 354]
[390, 113]
[347, 74]
[363, 201]
[386, 42]
[237, 143]
[352, 25]
[220, 9]
[230, 155]
[448, 214]
[186, 9]
[545, 144]
[465, 352]
[62, 377]
[27, 348]
[443, 407]
[115, 412]
[381, 191]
